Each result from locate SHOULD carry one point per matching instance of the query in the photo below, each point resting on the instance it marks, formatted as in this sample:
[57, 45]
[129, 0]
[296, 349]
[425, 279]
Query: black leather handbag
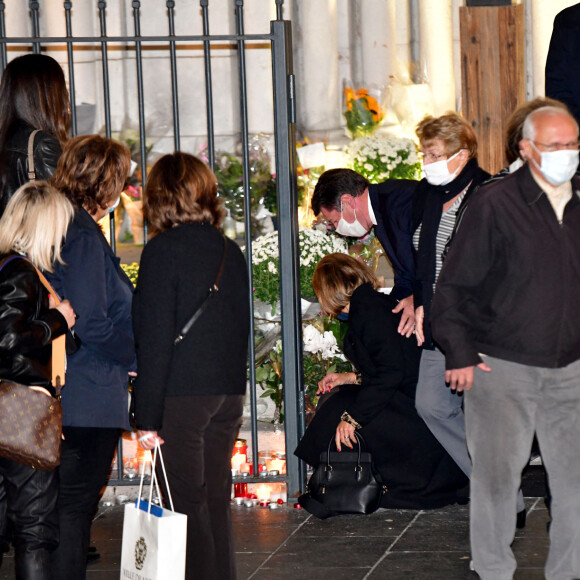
[343, 483]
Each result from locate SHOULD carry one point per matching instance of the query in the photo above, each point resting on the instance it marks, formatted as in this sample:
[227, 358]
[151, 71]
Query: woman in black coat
[33, 227]
[33, 96]
[189, 396]
[417, 471]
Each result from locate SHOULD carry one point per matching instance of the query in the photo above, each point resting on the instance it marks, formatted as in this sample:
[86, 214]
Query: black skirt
[418, 472]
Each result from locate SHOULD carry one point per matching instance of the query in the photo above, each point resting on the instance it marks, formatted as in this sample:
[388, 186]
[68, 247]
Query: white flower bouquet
[314, 245]
[383, 156]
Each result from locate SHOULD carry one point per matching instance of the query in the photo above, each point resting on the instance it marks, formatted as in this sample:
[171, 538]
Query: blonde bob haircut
[35, 223]
[451, 128]
[181, 189]
[335, 279]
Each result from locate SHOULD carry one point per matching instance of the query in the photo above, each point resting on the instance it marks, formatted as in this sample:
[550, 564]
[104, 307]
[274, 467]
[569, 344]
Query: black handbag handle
[359, 440]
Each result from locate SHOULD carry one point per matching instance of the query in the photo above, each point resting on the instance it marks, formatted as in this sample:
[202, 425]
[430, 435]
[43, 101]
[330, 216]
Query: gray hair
[529, 127]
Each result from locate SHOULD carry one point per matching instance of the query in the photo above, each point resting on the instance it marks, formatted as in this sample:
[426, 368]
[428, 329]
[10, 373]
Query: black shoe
[521, 519]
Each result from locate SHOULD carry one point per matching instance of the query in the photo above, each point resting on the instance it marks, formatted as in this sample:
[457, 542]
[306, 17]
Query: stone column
[319, 94]
[17, 24]
[436, 52]
[378, 38]
[259, 68]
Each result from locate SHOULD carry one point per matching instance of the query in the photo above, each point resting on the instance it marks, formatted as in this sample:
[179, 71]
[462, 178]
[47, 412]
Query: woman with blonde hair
[33, 227]
[378, 400]
[189, 395]
[91, 173]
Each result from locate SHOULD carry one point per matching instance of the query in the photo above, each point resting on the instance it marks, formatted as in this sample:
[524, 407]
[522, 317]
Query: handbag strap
[58, 344]
[214, 289]
[314, 507]
[359, 439]
[31, 169]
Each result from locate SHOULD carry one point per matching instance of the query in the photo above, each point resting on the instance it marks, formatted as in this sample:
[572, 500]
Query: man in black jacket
[506, 313]
[354, 206]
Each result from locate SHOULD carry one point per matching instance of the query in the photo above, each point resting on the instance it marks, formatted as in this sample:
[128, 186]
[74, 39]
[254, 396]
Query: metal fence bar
[102, 6]
[174, 88]
[71, 74]
[208, 85]
[239, 6]
[140, 90]
[150, 38]
[279, 9]
[284, 132]
[3, 50]
[34, 7]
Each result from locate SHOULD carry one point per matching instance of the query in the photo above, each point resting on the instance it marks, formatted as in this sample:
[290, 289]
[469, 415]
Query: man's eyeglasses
[558, 146]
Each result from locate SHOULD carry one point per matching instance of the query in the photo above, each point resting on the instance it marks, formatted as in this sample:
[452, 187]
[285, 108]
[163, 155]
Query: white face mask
[353, 230]
[557, 167]
[113, 207]
[438, 173]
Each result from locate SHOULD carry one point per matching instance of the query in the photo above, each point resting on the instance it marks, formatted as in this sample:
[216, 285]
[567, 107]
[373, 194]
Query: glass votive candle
[240, 489]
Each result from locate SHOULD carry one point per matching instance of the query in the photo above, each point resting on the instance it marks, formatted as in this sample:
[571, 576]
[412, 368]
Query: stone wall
[370, 42]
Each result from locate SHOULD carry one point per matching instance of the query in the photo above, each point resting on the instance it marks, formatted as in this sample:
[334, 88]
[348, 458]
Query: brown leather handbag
[30, 419]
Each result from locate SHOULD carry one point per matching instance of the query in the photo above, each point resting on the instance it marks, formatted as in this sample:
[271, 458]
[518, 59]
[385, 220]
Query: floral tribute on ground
[314, 245]
[384, 156]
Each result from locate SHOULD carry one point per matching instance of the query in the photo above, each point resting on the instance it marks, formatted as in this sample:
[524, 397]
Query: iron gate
[279, 39]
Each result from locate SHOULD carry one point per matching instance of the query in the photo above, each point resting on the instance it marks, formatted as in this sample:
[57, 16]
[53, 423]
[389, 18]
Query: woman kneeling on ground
[378, 401]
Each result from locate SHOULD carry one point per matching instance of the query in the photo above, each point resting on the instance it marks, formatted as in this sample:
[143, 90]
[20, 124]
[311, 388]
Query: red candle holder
[240, 489]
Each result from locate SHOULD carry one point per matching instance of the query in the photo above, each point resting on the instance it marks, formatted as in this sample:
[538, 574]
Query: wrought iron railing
[280, 42]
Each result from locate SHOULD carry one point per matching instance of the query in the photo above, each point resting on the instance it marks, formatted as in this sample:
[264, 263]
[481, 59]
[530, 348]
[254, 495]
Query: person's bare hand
[331, 380]
[67, 311]
[147, 439]
[462, 379]
[419, 319]
[407, 323]
[344, 434]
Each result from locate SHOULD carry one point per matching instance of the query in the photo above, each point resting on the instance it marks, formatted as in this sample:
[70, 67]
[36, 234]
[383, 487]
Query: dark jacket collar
[531, 191]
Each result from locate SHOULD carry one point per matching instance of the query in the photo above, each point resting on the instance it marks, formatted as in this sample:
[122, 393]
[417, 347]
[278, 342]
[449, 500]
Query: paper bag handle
[154, 477]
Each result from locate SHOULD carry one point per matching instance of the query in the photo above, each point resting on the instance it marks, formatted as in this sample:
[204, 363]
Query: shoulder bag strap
[315, 507]
[31, 170]
[213, 290]
[59, 343]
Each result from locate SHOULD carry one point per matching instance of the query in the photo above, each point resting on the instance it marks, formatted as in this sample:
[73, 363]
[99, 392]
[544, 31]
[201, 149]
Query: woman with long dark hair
[33, 97]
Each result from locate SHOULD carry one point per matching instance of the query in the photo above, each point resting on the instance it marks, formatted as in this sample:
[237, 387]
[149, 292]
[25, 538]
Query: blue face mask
[114, 206]
[343, 316]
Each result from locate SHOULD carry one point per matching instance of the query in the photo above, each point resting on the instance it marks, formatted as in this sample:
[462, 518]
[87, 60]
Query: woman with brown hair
[378, 400]
[189, 395]
[33, 97]
[91, 173]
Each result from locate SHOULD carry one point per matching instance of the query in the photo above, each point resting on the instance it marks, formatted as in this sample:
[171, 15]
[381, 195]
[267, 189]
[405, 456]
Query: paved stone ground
[387, 545]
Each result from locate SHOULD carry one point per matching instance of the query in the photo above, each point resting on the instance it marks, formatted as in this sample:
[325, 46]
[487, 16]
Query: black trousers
[86, 458]
[199, 434]
[30, 511]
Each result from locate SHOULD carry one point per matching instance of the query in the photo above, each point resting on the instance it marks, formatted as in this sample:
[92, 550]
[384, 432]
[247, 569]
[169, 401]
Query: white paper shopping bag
[154, 539]
[153, 546]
